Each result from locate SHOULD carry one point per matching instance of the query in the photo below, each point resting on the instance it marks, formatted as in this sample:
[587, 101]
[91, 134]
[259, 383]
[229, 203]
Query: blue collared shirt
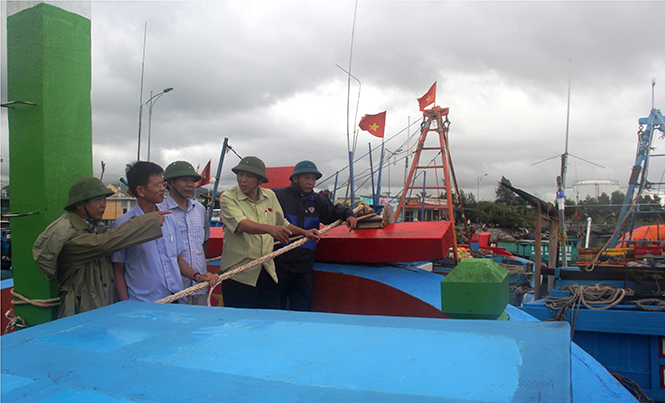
[194, 231]
[151, 268]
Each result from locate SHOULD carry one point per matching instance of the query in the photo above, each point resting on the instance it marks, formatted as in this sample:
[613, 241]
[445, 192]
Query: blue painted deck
[133, 352]
[145, 352]
[590, 380]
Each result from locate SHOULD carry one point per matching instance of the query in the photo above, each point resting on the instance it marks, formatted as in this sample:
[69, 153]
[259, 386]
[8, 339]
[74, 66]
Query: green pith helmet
[86, 188]
[253, 165]
[178, 169]
[305, 167]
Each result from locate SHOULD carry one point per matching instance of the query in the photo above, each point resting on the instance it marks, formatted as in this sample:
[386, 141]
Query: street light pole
[152, 101]
[478, 179]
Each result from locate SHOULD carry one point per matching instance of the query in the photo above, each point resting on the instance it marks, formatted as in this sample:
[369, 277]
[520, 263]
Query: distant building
[435, 209]
[593, 188]
[118, 204]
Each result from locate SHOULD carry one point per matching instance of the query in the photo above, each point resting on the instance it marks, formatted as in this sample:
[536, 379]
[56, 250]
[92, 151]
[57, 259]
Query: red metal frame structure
[439, 116]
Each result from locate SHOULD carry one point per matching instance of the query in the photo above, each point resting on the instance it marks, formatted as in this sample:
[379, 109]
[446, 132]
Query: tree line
[510, 210]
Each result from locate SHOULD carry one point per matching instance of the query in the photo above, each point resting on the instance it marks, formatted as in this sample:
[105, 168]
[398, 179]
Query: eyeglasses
[159, 185]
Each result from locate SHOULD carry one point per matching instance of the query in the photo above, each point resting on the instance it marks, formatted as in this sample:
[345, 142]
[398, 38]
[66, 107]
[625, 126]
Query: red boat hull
[216, 242]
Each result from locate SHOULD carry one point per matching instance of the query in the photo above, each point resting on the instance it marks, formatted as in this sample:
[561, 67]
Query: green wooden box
[475, 289]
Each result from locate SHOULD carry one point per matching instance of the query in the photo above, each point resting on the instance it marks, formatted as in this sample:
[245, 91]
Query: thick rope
[587, 295]
[643, 303]
[14, 321]
[41, 303]
[205, 284]
[17, 321]
[632, 387]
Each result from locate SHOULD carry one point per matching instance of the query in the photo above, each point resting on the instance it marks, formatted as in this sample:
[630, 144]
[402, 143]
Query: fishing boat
[387, 340]
[613, 296]
[385, 337]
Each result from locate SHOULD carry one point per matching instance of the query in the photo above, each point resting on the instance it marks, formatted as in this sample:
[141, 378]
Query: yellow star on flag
[374, 124]
[219, 298]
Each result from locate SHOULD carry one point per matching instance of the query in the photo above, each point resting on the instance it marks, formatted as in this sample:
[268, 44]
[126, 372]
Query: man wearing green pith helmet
[253, 219]
[74, 249]
[181, 178]
[307, 209]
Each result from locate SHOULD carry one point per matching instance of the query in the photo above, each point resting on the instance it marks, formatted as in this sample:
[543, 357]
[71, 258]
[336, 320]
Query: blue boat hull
[134, 351]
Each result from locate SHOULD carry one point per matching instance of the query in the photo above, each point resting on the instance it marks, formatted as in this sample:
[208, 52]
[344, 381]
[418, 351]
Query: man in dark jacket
[305, 209]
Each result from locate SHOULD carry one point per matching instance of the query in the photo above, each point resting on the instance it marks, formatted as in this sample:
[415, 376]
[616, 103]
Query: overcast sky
[264, 74]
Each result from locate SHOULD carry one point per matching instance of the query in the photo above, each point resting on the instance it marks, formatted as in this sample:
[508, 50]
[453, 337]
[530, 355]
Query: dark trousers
[297, 287]
[264, 296]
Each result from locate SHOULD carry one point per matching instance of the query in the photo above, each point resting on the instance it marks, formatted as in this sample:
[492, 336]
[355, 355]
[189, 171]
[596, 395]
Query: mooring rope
[632, 387]
[14, 321]
[361, 209]
[17, 321]
[593, 295]
[587, 295]
[643, 303]
[41, 303]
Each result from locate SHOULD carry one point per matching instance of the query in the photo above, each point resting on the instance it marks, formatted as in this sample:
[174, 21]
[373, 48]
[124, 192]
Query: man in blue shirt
[153, 270]
[190, 215]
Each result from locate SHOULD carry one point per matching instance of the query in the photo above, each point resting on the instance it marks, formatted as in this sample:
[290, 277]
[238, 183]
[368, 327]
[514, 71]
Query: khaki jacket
[69, 252]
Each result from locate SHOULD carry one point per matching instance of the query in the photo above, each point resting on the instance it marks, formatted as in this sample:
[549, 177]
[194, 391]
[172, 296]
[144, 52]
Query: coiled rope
[645, 304]
[587, 295]
[591, 296]
[362, 209]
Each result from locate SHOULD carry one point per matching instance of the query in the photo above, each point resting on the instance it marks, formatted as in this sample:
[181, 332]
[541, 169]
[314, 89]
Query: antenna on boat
[145, 34]
[566, 154]
[348, 101]
[561, 183]
[564, 157]
[561, 179]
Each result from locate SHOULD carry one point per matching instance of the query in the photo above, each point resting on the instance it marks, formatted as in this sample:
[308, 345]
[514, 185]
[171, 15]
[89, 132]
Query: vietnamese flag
[375, 124]
[428, 98]
[205, 176]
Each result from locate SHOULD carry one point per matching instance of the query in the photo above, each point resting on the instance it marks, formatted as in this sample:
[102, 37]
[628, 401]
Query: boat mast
[348, 100]
[638, 177]
[561, 186]
[438, 116]
[145, 34]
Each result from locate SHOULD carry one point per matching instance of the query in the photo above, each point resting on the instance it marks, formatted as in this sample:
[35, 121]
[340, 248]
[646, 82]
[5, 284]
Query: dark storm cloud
[264, 75]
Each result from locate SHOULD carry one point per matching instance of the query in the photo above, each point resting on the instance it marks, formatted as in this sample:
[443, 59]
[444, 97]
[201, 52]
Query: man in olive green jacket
[74, 249]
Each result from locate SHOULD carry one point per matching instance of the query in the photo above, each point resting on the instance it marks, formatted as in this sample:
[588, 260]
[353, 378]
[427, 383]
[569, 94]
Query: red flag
[205, 176]
[428, 98]
[375, 124]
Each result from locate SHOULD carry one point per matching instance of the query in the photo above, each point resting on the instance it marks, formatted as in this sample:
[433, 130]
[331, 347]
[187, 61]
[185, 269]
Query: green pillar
[50, 144]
